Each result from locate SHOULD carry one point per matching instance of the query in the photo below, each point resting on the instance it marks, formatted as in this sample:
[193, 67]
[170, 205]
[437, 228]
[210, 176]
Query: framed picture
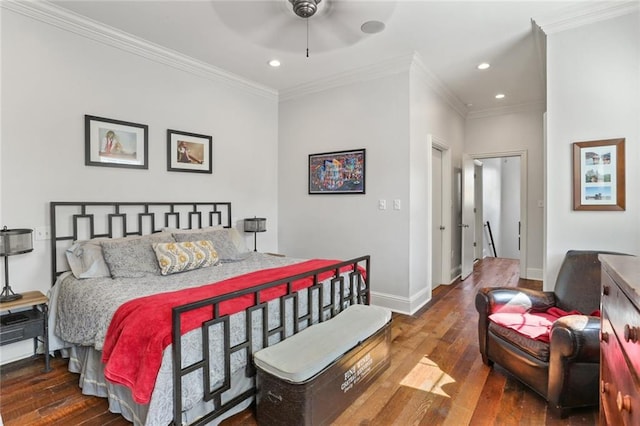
[115, 143]
[598, 175]
[189, 152]
[341, 172]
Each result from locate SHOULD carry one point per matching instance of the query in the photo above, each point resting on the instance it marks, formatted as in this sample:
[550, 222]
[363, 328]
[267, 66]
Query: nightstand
[26, 324]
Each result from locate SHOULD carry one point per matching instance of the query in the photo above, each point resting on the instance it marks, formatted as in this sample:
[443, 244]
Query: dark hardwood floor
[436, 375]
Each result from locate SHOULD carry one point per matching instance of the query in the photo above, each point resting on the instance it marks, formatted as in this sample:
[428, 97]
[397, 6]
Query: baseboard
[534, 274]
[456, 272]
[401, 305]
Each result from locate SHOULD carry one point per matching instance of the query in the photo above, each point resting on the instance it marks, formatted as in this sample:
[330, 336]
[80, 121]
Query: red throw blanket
[535, 325]
[141, 329]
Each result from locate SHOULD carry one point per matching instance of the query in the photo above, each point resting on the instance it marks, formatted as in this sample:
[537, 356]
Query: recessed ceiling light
[274, 63]
[500, 96]
[484, 66]
[372, 27]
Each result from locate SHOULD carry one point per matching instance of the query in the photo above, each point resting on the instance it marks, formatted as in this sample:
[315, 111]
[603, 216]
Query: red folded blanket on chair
[535, 325]
[141, 329]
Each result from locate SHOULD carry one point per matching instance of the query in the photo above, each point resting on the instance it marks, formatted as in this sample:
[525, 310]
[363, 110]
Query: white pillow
[238, 240]
[86, 259]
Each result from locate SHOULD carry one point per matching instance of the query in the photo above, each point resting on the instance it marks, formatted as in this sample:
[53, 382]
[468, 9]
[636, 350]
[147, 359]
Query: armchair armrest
[576, 338]
[573, 362]
[490, 300]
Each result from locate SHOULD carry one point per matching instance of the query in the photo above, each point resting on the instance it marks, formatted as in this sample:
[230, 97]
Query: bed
[168, 343]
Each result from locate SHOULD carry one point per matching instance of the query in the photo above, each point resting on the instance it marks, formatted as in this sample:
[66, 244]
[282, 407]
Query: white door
[468, 216]
[437, 227]
[477, 210]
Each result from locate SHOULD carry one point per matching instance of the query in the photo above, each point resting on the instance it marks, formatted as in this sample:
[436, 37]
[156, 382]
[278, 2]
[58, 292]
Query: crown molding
[366, 73]
[540, 40]
[536, 106]
[392, 66]
[584, 14]
[59, 17]
[430, 79]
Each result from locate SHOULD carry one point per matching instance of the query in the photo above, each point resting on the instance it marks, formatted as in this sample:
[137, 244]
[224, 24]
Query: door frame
[523, 200]
[447, 206]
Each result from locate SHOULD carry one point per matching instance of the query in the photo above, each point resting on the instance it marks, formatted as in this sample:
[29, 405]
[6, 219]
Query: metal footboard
[346, 288]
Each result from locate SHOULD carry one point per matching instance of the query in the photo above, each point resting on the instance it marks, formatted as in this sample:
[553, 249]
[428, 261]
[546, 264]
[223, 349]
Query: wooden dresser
[620, 341]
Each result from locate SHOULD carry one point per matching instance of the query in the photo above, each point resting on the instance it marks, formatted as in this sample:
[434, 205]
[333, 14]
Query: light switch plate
[42, 233]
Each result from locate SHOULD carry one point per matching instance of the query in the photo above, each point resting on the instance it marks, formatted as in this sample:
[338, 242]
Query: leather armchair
[564, 371]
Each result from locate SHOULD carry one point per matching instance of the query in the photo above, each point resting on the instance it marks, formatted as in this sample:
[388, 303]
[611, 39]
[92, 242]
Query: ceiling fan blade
[341, 20]
[274, 25]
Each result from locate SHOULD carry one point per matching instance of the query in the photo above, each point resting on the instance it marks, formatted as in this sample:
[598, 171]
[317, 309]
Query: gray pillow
[133, 257]
[222, 242]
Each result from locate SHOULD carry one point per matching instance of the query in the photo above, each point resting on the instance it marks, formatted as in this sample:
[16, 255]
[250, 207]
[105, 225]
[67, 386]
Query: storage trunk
[323, 397]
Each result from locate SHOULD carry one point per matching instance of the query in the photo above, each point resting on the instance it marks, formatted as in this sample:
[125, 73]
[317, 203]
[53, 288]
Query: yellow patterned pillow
[178, 257]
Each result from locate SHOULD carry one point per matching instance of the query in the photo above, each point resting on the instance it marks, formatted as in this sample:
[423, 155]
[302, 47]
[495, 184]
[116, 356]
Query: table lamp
[255, 225]
[12, 242]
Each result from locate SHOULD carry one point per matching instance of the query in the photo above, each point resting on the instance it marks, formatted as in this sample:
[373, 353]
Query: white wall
[509, 132]
[390, 116]
[593, 93]
[371, 114]
[52, 77]
[430, 114]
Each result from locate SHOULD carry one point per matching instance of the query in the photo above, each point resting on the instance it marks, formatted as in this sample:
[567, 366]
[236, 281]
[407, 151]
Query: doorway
[440, 213]
[473, 237]
[436, 196]
[501, 207]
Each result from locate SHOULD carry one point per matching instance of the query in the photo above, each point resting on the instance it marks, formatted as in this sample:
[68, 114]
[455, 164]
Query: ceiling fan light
[305, 8]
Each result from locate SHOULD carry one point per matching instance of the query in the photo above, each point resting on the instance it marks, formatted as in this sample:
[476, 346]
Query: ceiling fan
[281, 25]
[305, 8]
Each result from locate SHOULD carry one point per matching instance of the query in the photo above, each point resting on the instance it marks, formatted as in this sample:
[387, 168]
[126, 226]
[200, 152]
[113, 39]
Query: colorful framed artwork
[341, 172]
[115, 143]
[599, 175]
[189, 152]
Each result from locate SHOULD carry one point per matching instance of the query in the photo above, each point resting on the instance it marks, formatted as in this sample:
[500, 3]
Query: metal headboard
[71, 221]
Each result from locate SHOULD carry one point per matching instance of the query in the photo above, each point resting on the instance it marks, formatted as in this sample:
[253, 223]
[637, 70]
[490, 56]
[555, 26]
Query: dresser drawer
[618, 385]
[624, 318]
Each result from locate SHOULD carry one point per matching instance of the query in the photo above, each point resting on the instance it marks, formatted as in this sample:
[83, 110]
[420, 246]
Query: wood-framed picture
[115, 143]
[189, 152]
[341, 172]
[599, 175]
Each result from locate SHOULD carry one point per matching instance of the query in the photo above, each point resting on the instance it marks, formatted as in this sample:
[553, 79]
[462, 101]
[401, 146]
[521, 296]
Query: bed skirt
[86, 361]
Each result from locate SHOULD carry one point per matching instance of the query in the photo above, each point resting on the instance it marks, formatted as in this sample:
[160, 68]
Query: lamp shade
[15, 241]
[255, 224]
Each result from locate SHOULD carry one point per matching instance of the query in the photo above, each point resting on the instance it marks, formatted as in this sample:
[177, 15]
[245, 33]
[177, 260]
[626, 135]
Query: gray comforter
[85, 307]
[81, 311]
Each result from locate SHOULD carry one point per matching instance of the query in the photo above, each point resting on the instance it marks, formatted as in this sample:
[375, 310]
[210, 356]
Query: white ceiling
[450, 37]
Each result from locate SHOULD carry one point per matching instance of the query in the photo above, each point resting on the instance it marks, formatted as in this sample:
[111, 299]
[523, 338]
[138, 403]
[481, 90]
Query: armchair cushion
[536, 348]
[533, 325]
